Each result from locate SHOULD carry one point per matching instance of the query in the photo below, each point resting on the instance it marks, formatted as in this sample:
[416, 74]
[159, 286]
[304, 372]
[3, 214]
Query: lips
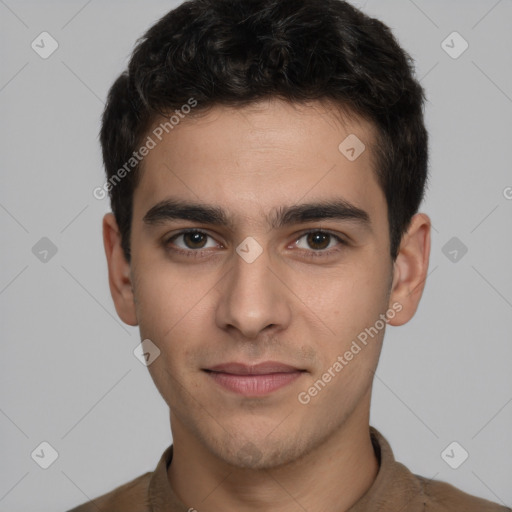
[264, 368]
[253, 380]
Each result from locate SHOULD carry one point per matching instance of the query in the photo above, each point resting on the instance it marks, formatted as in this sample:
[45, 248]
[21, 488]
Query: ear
[410, 269]
[119, 275]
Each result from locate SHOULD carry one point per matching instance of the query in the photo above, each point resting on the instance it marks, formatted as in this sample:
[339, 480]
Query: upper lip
[264, 368]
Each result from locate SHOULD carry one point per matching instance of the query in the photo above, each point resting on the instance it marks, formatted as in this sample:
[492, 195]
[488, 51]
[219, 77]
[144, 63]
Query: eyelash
[309, 253]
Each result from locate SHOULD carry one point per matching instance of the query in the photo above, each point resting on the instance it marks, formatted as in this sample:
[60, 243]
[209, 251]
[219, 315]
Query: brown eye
[320, 243]
[191, 241]
[194, 240]
[318, 240]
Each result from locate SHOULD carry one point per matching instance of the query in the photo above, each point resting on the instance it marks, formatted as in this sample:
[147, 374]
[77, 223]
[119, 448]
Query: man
[265, 161]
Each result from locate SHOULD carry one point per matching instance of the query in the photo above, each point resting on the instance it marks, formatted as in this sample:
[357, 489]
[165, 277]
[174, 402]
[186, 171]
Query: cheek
[175, 313]
[166, 296]
[348, 299]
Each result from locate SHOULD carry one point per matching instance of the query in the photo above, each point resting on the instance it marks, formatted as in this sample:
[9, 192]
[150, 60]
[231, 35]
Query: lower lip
[254, 385]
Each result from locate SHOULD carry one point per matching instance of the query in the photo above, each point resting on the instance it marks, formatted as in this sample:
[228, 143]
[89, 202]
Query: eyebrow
[339, 209]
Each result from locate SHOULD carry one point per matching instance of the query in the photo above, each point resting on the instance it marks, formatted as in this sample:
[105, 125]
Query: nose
[252, 298]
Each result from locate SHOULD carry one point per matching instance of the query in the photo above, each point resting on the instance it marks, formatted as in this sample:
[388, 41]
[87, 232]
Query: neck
[332, 476]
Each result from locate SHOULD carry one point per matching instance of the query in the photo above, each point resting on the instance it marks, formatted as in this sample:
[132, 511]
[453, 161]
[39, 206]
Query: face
[287, 262]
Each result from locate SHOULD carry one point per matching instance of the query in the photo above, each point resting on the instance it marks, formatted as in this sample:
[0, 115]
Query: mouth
[254, 380]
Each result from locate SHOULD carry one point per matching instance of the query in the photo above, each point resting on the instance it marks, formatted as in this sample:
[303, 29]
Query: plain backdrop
[68, 375]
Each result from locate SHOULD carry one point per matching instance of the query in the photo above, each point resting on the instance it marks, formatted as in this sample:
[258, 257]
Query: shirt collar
[395, 489]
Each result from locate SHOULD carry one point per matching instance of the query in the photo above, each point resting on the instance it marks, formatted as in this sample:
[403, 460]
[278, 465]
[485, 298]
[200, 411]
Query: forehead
[254, 159]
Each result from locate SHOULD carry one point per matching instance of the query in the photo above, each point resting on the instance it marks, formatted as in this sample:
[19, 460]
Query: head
[289, 135]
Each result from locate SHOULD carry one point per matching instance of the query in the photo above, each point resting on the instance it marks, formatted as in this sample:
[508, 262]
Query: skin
[292, 304]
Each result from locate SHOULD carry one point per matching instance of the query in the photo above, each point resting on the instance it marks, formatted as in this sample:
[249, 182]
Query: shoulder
[443, 497]
[129, 497]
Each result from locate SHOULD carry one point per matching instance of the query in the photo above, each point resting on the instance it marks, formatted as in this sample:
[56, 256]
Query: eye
[319, 241]
[191, 240]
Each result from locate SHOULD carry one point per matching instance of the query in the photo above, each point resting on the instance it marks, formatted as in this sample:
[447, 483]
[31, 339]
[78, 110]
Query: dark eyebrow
[170, 209]
[336, 209]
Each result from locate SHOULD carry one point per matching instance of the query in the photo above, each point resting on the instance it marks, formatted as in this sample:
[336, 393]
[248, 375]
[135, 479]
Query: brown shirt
[395, 489]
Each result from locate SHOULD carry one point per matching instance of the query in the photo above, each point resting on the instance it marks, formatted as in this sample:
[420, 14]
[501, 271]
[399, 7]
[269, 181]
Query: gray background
[68, 374]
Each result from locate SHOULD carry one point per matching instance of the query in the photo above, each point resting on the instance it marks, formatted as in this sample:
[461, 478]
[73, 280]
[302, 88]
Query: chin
[260, 455]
